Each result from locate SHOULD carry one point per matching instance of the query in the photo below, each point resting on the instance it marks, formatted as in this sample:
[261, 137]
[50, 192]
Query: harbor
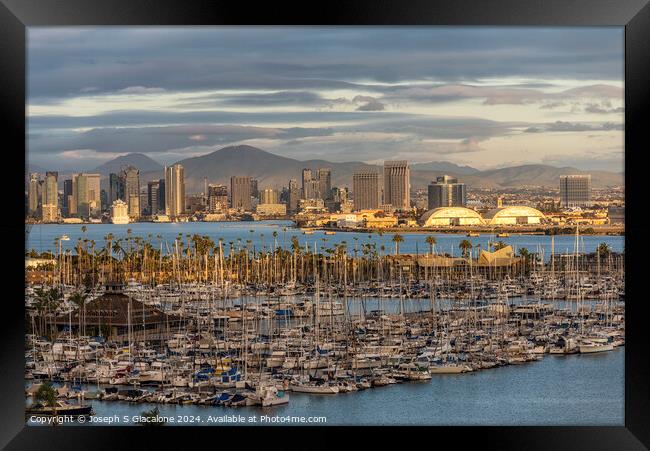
[194, 324]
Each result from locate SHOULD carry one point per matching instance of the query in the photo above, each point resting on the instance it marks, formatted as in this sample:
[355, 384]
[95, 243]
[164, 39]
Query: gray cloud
[562, 126]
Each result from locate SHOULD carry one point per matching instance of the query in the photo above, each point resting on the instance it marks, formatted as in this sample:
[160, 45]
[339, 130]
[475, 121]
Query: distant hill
[443, 166]
[274, 171]
[139, 160]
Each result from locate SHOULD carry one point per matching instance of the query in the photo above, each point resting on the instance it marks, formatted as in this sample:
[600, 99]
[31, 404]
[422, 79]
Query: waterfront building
[397, 184]
[119, 212]
[217, 198]
[575, 190]
[513, 215]
[240, 193]
[50, 213]
[33, 194]
[131, 177]
[446, 192]
[271, 209]
[451, 216]
[87, 194]
[153, 190]
[174, 190]
[365, 189]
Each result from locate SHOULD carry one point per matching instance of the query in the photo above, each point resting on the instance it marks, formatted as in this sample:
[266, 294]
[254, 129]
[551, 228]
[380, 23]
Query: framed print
[376, 215]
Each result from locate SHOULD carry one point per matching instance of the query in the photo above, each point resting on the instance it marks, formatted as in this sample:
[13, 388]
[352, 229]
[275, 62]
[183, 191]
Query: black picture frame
[634, 15]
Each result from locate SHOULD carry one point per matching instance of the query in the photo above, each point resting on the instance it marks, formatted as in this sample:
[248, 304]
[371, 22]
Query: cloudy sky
[486, 97]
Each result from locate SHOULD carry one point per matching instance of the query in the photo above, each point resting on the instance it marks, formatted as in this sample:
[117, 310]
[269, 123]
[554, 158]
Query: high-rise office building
[161, 195]
[575, 190]
[174, 190]
[397, 184]
[306, 184]
[69, 204]
[293, 196]
[217, 198]
[240, 193]
[324, 176]
[87, 194]
[269, 196]
[446, 192]
[153, 188]
[255, 192]
[51, 189]
[115, 188]
[131, 176]
[365, 190]
[34, 200]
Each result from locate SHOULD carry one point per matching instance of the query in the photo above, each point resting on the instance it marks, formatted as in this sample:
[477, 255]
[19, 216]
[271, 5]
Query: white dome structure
[451, 216]
[514, 215]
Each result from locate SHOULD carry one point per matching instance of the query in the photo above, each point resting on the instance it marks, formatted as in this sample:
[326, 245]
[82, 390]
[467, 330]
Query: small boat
[316, 389]
[473, 234]
[330, 232]
[62, 408]
[307, 232]
[503, 235]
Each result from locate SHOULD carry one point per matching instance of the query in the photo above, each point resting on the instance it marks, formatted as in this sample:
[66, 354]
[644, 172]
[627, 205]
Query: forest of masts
[200, 259]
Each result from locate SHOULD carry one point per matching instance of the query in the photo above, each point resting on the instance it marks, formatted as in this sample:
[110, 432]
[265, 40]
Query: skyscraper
[33, 194]
[115, 188]
[294, 196]
[161, 195]
[397, 184]
[306, 184]
[131, 176]
[365, 189]
[51, 189]
[87, 194]
[446, 192]
[324, 176]
[240, 193]
[69, 205]
[174, 190]
[153, 188]
[575, 190]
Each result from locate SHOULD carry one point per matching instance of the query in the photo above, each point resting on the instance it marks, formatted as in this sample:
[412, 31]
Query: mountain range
[274, 171]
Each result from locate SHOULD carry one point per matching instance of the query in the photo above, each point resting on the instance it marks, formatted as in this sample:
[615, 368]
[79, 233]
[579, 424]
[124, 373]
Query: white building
[119, 212]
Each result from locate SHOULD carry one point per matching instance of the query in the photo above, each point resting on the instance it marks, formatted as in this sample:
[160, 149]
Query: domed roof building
[513, 215]
[451, 216]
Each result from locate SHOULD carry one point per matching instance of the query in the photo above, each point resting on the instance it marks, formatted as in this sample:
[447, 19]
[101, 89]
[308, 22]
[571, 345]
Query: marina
[199, 327]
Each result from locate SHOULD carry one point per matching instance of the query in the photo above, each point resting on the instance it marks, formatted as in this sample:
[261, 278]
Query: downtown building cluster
[127, 198]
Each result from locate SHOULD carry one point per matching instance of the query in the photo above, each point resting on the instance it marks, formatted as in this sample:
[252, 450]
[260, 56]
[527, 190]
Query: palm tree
[499, 245]
[603, 250]
[397, 239]
[431, 241]
[465, 246]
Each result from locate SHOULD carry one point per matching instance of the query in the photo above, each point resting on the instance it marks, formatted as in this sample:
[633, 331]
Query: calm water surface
[42, 237]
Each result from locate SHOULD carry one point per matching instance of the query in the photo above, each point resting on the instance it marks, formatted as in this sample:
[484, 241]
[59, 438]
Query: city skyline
[486, 97]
